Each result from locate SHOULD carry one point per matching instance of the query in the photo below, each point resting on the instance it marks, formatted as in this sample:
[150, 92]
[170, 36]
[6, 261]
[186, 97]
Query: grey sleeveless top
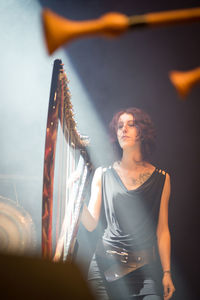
[131, 215]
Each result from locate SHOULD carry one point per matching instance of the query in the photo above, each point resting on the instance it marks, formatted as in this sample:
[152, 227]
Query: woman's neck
[132, 160]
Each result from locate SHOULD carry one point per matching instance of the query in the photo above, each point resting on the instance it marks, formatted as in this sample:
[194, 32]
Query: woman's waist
[116, 262]
[125, 254]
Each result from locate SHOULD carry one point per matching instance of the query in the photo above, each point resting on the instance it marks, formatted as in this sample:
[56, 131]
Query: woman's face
[127, 133]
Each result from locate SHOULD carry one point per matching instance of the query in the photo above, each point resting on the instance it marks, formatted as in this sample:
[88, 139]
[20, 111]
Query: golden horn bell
[184, 81]
[59, 30]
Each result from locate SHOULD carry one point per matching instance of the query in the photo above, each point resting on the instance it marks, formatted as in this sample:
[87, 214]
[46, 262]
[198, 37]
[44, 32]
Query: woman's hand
[57, 256]
[168, 286]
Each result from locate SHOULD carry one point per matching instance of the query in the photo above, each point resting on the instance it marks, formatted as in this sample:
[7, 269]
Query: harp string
[75, 171]
[59, 208]
[75, 212]
[65, 162]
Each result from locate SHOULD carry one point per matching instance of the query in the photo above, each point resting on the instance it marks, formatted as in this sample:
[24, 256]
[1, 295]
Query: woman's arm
[164, 240]
[90, 214]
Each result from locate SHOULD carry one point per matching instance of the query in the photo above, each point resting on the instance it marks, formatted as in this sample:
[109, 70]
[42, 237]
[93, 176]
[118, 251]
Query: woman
[135, 196]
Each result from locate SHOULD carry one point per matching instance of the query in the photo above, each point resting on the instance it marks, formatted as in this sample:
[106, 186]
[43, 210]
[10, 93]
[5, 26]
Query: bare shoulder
[98, 174]
[167, 176]
[116, 165]
[164, 173]
[167, 186]
[99, 171]
[167, 179]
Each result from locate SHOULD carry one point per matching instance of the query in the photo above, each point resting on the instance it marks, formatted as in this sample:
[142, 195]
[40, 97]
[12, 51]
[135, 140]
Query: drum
[17, 230]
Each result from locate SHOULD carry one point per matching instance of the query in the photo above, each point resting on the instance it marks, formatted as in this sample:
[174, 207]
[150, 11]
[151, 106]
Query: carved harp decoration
[76, 168]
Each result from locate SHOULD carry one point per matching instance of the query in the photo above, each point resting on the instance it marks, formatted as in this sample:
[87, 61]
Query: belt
[126, 257]
[122, 262]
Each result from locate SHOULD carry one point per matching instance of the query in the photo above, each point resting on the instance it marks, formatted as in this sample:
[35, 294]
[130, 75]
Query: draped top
[131, 215]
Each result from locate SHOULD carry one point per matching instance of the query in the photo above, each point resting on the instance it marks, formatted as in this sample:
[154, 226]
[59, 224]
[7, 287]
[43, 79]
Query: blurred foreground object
[59, 30]
[17, 230]
[33, 278]
[184, 81]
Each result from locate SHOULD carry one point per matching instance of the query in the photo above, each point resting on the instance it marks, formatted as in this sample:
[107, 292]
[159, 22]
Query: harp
[61, 208]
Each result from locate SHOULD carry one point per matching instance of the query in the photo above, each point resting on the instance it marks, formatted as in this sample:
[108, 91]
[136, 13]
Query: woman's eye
[120, 126]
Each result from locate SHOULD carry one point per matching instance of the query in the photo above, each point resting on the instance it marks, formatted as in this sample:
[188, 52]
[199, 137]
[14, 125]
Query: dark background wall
[131, 70]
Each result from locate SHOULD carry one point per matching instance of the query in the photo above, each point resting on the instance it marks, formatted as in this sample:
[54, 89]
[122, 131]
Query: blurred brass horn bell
[184, 81]
[59, 30]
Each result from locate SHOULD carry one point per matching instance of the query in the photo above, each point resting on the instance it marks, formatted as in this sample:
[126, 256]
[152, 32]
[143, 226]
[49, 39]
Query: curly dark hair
[145, 128]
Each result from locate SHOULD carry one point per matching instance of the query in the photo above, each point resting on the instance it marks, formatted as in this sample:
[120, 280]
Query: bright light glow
[25, 76]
